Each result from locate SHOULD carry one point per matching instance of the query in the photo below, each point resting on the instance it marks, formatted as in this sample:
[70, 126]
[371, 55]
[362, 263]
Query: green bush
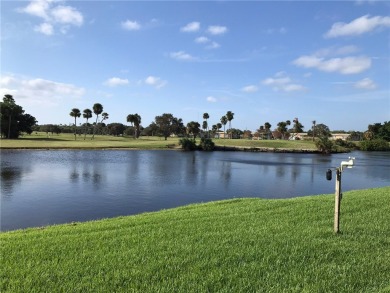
[345, 144]
[188, 144]
[374, 145]
[206, 144]
[324, 145]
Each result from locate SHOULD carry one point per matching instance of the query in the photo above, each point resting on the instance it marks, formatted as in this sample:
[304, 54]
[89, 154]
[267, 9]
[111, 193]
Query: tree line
[14, 122]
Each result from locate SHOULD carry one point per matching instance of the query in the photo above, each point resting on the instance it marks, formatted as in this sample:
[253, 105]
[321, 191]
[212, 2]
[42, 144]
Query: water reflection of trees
[9, 178]
[87, 174]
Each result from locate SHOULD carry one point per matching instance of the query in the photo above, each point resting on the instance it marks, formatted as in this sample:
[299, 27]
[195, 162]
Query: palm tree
[97, 110]
[204, 125]
[10, 102]
[224, 120]
[135, 120]
[205, 117]
[87, 113]
[267, 127]
[104, 117]
[75, 113]
[214, 129]
[314, 126]
[230, 117]
[137, 123]
[219, 126]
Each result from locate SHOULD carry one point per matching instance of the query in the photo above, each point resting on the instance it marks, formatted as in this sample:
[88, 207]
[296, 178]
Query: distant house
[298, 136]
[342, 136]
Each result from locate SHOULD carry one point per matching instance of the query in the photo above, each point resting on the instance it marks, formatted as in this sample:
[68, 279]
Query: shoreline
[178, 148]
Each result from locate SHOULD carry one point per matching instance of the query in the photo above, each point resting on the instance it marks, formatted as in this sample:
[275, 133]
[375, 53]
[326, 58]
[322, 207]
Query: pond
[45, 187]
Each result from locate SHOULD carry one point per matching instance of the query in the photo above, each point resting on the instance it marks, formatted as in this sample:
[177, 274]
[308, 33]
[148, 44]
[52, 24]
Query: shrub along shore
[239, 245]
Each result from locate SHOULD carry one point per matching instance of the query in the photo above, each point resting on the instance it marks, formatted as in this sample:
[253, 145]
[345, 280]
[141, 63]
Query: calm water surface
[50, 187]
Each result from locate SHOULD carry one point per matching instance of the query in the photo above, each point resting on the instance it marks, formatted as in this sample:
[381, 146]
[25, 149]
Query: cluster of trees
[14, 120]
[97, 109]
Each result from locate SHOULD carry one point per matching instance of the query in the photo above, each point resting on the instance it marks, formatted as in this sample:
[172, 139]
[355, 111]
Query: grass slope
[241, 245]
[66, 140]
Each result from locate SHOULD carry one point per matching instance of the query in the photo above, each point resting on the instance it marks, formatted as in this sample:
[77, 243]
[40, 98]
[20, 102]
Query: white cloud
[131, 25]
[336, 51]
[181, 55]
[67, 15]
[157, 82]
[217, 30]
[115, 81]
[202, 40]
[282, 82]
[53, 15]
[45, 28]
[358, 26]
[346, 65]
[39, 89]
[365, 83]
[211, 99]
[250, 89]
[191, 27]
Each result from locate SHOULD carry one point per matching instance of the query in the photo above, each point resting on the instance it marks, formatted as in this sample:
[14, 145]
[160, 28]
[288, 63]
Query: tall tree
[193, 128]
[167, 124]
[230, 116]
[87, 113]
[205, 126]
[282, 128]
[224, 121]
[135, 121]
[97, 110]
[214, 129]
[9, 106]
[76, 114]
[313, 127]
[206, 116]
[219, 126]
[104, 117]
[267, 127]
[297, 127]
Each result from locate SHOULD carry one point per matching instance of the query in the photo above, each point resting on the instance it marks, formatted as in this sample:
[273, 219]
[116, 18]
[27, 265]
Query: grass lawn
[240, 245]
[66, 140]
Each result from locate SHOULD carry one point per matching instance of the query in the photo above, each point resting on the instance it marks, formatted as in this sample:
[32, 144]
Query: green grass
[66, 140]
[240, 245]
[279, 144]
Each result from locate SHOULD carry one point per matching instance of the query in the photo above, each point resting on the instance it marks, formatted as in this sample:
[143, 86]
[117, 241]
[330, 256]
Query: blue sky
[266, 61]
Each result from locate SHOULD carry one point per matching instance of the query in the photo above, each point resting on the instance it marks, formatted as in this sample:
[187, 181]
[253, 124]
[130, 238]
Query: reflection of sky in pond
[47, 187]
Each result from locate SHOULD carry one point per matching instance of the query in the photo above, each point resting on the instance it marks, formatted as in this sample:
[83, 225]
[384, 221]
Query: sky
[266, 61]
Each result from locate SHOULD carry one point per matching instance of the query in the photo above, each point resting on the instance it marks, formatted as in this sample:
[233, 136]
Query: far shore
[66, 141]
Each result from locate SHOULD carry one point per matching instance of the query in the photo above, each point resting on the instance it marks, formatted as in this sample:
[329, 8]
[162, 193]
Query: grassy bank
[66, 140]
[242, 245]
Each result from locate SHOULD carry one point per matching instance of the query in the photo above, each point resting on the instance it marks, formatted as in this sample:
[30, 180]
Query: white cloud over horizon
[345, 65]
[217, 30]
[181, 55]
[115, 81]
[191, 27]
[366, 84]
[39, 90]
[358, 26]
[211, 99]
[282, 82]
[130, 25]
[155, 81]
